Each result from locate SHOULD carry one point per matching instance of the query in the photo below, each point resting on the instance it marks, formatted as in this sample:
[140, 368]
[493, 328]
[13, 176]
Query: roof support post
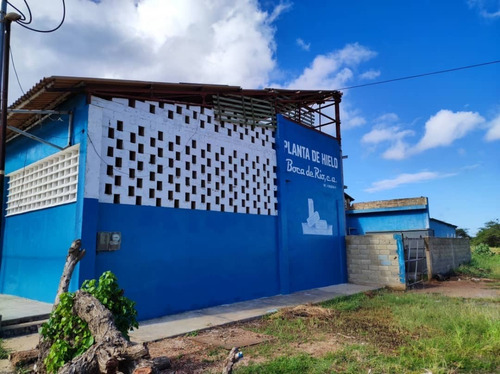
[337, 120]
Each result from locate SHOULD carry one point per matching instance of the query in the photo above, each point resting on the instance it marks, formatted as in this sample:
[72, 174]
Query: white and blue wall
[208, 212]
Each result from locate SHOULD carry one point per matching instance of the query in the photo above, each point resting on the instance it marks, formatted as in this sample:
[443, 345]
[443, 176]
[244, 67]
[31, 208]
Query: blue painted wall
[36, 243]
[309, 170]
[442, 229]
[360, 222]
[172, 260]
[35, 249]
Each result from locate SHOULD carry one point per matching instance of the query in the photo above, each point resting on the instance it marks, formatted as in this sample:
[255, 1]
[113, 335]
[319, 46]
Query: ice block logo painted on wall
[311, 163]
[314, 225]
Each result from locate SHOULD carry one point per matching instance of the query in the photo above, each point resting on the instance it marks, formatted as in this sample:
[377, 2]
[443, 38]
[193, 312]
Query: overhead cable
[420, 75]
[23, 21]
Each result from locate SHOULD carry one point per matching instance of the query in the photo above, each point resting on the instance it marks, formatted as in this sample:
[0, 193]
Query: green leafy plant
[485, 265]
[483, 250]
[70, 335]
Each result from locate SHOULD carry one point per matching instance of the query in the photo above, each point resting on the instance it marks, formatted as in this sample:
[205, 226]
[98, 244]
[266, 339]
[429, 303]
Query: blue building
[409, 216]
[193, 195]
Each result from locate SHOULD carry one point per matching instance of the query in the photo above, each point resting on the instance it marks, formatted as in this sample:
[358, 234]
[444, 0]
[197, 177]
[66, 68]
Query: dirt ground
[463, 287]
[205, 351]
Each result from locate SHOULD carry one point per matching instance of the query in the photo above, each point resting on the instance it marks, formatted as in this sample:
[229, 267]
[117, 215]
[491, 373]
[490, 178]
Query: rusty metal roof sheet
[50, 92]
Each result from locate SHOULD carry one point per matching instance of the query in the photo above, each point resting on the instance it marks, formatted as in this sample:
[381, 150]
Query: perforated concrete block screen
[180, 157]
[49, 182]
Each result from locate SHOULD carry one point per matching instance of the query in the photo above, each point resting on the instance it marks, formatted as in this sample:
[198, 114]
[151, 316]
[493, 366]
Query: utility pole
[3, 11]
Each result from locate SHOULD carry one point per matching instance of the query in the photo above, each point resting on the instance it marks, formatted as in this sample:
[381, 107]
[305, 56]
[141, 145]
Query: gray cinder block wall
[446, 254]
[376, 259]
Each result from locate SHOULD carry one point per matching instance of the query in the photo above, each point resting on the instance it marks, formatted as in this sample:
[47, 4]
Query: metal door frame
[415, 260]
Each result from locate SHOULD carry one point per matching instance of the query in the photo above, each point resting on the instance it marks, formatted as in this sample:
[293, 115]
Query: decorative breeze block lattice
[181, 157]
[49, 182]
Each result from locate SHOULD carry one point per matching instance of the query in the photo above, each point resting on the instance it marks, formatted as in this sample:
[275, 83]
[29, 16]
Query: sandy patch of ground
[463, 287]
[206, 351]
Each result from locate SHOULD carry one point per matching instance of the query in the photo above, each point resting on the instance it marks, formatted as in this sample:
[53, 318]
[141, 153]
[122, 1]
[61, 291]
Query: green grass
[3, 352]
[393, 332]
[346, 303]
[482, 266]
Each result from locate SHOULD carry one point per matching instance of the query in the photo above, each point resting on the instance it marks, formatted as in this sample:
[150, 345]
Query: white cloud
[279, 9]
[225, 41]
[470, 167]
[402, 179]
[387, 130]
[303, 45]
[442, 129]
[222, 42]
[494, 130]
[399, 149]
[370, 74]
[377, 135]
[350, 117]
[333, 70]
[394, 136]
[387, 117]
[486, 8]
[445, 127]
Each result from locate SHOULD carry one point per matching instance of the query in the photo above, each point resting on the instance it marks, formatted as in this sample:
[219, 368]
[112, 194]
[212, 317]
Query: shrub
[483, 250]
[70, 335]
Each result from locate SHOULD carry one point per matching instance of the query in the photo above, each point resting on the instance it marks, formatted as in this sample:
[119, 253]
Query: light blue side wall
[442, 229]
[35, 243]
[361, 222]
[172, 260]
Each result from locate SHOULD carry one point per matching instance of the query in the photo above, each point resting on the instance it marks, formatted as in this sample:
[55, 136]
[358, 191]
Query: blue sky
[436, 136]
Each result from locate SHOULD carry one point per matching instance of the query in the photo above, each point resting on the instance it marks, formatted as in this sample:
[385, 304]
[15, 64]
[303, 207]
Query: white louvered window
[49, 182]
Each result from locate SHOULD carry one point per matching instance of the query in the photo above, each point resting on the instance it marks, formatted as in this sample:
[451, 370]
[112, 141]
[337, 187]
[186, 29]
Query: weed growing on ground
[482, 265]
[346, 303]
[3, 352]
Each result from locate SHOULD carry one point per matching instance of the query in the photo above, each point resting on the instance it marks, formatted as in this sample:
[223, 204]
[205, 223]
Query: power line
[420, 75]
[24, 19]
[15, 71]
[22, 22]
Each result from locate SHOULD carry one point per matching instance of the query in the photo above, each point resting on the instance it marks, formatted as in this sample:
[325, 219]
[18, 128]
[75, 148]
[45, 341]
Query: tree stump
[111, 352]
[75, 254]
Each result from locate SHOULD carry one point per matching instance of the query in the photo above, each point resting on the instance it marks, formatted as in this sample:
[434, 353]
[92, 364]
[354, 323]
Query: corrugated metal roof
[50, 92]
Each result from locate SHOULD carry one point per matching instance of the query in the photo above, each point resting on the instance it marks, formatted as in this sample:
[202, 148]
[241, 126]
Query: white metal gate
[415, 261]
